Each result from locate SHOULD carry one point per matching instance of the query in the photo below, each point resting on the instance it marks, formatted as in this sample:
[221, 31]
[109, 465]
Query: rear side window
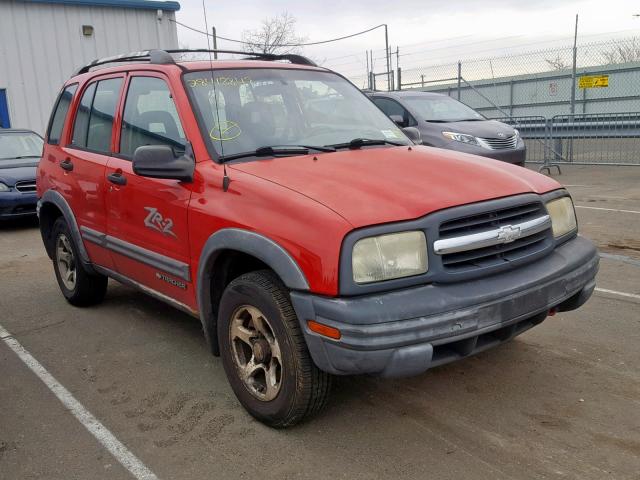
[94, 120]
[150, 117]
[60, 114]
[80, 126]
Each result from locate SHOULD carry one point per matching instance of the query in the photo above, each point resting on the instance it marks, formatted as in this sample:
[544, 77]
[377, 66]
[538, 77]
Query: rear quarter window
[59, 114]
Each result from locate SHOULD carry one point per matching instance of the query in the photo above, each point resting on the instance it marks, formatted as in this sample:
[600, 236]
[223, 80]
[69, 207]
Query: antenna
[225, 179]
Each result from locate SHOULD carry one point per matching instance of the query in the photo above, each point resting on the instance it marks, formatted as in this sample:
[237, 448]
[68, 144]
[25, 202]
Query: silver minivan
[447, 123]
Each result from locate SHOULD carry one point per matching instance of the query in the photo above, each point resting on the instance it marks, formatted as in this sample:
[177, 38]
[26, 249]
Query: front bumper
[517, 155]
[15, 204]
[408, 331]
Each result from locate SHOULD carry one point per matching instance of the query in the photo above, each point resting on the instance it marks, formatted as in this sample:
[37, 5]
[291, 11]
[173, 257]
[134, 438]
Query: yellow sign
[594, 81]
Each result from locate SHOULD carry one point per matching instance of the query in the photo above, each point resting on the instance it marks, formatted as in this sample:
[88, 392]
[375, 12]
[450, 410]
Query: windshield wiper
[277, 150]
[363, 142]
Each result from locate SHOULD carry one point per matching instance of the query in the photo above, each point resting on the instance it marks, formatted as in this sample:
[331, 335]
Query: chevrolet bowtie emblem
[508, 233]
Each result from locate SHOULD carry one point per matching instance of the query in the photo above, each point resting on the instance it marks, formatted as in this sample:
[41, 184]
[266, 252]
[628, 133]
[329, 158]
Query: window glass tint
[102, 113]
[150, 117]
[242, 110]
[391, 107]
[81, 124]
[60, 114]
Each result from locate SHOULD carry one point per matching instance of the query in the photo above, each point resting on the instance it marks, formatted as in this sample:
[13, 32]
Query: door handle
[66, 164]
[117, 178]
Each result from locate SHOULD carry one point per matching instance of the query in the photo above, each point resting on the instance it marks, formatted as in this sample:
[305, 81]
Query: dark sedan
[446, 123]
[20, 152]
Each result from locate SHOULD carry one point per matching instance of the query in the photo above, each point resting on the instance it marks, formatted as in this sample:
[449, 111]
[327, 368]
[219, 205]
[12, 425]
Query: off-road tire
[304, 389]
[89, 289]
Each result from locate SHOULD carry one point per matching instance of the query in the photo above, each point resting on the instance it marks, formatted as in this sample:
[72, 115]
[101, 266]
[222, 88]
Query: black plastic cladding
[430, 225]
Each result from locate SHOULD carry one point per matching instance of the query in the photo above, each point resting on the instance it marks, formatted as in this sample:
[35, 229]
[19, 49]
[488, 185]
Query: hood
[380, 185]
[12, 171]
[480, 128]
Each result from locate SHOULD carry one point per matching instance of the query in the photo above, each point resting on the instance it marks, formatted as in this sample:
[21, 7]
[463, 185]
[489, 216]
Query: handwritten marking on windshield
[226, 130]
[222, 81]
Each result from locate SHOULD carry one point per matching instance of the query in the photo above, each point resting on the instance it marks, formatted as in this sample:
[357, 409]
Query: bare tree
[557, 63]
[623, 51]
[275, 35]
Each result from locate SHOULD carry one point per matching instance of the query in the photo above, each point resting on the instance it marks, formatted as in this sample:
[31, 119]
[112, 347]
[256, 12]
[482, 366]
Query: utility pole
[459, 78]
[398, 67]
[366, 54]
[386, 49]
[572, 107]
[573, 71]
[215, 43]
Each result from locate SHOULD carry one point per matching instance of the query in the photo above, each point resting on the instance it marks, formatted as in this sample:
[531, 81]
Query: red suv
[278, 204]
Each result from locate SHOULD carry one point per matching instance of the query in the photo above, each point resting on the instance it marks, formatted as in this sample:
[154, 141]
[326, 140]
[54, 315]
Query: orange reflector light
[324, 330]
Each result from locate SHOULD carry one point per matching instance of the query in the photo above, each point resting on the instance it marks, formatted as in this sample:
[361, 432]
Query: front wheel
[264, 353]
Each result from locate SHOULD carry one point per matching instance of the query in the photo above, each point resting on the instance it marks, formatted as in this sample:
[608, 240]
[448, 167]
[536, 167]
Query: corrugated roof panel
[139, 4]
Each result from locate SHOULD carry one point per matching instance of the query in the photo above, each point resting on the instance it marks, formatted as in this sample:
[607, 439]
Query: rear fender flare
[55, 198]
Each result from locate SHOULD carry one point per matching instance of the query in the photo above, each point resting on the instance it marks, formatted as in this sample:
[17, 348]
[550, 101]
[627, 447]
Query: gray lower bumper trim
[413, 322]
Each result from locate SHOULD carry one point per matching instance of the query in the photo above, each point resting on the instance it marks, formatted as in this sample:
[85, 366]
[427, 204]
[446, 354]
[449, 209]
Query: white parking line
[128, 460]
[607, 209]
[621, 294]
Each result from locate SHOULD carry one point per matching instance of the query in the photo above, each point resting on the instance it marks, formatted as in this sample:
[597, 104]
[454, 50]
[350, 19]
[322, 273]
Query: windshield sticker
[221, 81]
[224, 131]
[391, 134]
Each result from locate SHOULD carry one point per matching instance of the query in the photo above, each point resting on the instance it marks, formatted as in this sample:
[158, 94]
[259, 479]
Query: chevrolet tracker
[308, 233]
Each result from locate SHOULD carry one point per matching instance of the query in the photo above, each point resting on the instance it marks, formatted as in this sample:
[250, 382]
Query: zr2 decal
[156, 221]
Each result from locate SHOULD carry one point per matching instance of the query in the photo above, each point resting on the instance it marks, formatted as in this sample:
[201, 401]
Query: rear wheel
[264, 353]
[78, 286]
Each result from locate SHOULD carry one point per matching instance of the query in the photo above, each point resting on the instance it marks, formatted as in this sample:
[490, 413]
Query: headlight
[385, 257]
[3, 187]
[516, 132]
[461, 137]
[563, 216]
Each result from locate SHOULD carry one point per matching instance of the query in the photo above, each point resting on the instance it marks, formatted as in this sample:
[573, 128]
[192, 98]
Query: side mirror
[398, 120]
[414, 134]
[159, 161]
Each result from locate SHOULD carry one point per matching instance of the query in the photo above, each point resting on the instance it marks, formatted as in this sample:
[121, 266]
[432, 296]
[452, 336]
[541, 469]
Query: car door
[84, 159]
[147, 217]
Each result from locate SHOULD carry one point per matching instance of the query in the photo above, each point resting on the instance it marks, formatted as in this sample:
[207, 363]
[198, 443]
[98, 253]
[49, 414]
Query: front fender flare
[251, 243]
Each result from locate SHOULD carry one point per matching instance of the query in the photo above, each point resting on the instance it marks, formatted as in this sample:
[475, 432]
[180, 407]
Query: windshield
[19, 145]
[277, 107]
[441, 109]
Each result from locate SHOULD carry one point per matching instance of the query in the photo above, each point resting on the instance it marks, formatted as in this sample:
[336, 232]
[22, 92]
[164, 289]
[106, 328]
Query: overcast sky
[432, 31]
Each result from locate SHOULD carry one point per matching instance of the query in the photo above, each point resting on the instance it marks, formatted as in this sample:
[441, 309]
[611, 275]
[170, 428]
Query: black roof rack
[163, 57]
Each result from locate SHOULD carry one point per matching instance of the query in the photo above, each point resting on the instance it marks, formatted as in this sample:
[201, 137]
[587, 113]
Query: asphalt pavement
[562, 401]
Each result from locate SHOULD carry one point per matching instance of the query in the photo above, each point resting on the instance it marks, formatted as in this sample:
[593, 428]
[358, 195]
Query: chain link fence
[540, 82]
[587, 118]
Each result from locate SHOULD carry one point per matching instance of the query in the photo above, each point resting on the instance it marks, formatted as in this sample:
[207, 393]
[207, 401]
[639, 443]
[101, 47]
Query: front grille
[493, 255]
[26, 186]
[501, 143]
